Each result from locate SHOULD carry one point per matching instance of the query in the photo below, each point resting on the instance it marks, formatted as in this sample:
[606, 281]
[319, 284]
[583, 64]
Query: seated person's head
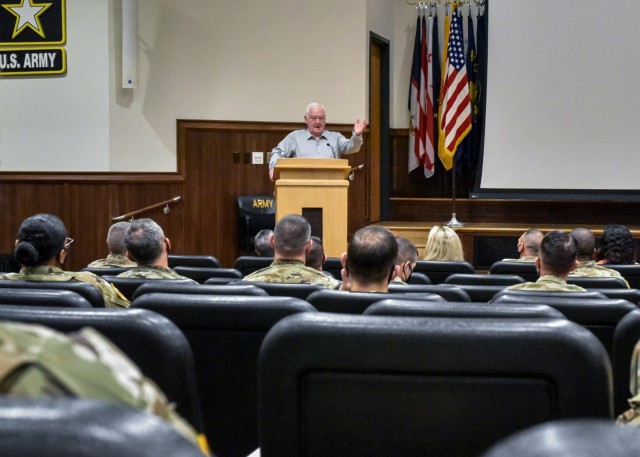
[42, 240]
[558, 253]
[616, 246]
[407, 258]
[586, 242]
[145, 241]
[443, 243]
[115, 238]
[371, 256]
[315, 257]
[261, 243]
[529, 243]
[291, 237]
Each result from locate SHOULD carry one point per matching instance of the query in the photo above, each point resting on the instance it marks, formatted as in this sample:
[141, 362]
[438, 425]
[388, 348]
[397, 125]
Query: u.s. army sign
[31, 35]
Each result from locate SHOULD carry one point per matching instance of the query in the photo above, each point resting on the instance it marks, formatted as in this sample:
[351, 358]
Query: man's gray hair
[314, 105]
[291, 233]
[144, 240]
[115, 238]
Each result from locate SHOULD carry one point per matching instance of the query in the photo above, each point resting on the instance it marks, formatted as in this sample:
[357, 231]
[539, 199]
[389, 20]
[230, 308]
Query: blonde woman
[443, 244]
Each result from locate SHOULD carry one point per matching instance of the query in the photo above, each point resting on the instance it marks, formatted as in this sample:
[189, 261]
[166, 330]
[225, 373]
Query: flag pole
[453, 222]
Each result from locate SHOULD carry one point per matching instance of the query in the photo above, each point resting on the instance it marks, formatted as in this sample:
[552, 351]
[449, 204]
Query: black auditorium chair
[220, 281]
[550, 293]
[225, 333]
[43, 297]
[393, 307]
[482, 288]
[335, 301]
[419, 278]
[203, 289]
[247, 264]
[333, 266]
[527, 270]
[449, 292]
[597, 283]
[570, 438]
[90, 293]
[254, 213]
[184, 260]
[279, 289]
[333, 384]
[600, 316]
[128, 286]
[75, 427]
[632, 295]
[150, 340]
[201, 274]
[625, 337]
[9, 264]
[630, 272]
[109, 271]
[438, 271]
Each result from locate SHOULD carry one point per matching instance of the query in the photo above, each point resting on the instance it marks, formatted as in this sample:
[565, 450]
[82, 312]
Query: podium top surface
[308, 168]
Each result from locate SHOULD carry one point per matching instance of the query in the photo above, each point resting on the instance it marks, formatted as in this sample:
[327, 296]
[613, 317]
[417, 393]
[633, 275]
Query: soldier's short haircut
[532, 239]
[115, 237]
[586, 241]
[371, 255]
[558, 252]
[261, 243]
[291, 234]
[144, 240]
[315, 256]
[407, 251]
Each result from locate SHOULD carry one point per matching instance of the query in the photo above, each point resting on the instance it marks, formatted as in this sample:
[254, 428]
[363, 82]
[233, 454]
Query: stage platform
[484, 244]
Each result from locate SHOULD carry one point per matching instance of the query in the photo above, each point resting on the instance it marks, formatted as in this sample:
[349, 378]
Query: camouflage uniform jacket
[548, 282]
[590, 269]
[36, 361]
[524, 258]
[397, 280]
[292, 272]
[152, 272]
[112, 296]
[113, 261]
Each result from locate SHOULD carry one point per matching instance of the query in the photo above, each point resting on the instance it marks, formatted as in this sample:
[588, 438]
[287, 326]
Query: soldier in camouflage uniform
[147, 245]
[117, 250]
[41, 249]
[406, 260]
[370, 261]
[528, 246]
[291, 241]
[36, 361]
[558, 253]
[587, 267]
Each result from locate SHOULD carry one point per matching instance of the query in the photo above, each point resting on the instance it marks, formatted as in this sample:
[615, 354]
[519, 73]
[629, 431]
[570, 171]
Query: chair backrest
[630, 272]
[201, 274]
[108, 271]
[90, 293]
[526, 270]
[247, 264]
[625, 337]
[600, 316]
[393, 307]
[632, 295]
[278, 289]
[150, 340]
[9, 264]
[483, 280]
[481, 294]
[597, 283]
[335, 301]
[43, 297]
[225, 333]
[254, 213]
[447, 291]
[438, 271]
[205, 289]
[183, 260]
[333, 266]
[419, 278]
[128, 286]
[334, 384]
[220, 281]
[54, 427]
[550, 293]
[570, 438]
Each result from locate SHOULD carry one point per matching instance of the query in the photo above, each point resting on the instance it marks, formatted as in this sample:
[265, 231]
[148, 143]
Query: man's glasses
[68, 243]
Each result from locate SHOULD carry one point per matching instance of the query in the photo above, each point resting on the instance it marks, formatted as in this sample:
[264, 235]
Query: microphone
[333, 152]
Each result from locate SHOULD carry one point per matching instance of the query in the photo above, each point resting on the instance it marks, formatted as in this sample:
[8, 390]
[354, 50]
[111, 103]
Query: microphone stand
[453, 222]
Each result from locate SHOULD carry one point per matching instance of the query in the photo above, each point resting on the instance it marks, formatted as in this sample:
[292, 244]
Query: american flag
[421, 135]
[455, 114]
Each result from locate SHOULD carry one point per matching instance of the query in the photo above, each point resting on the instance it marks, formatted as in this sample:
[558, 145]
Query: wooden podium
[318, 187]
